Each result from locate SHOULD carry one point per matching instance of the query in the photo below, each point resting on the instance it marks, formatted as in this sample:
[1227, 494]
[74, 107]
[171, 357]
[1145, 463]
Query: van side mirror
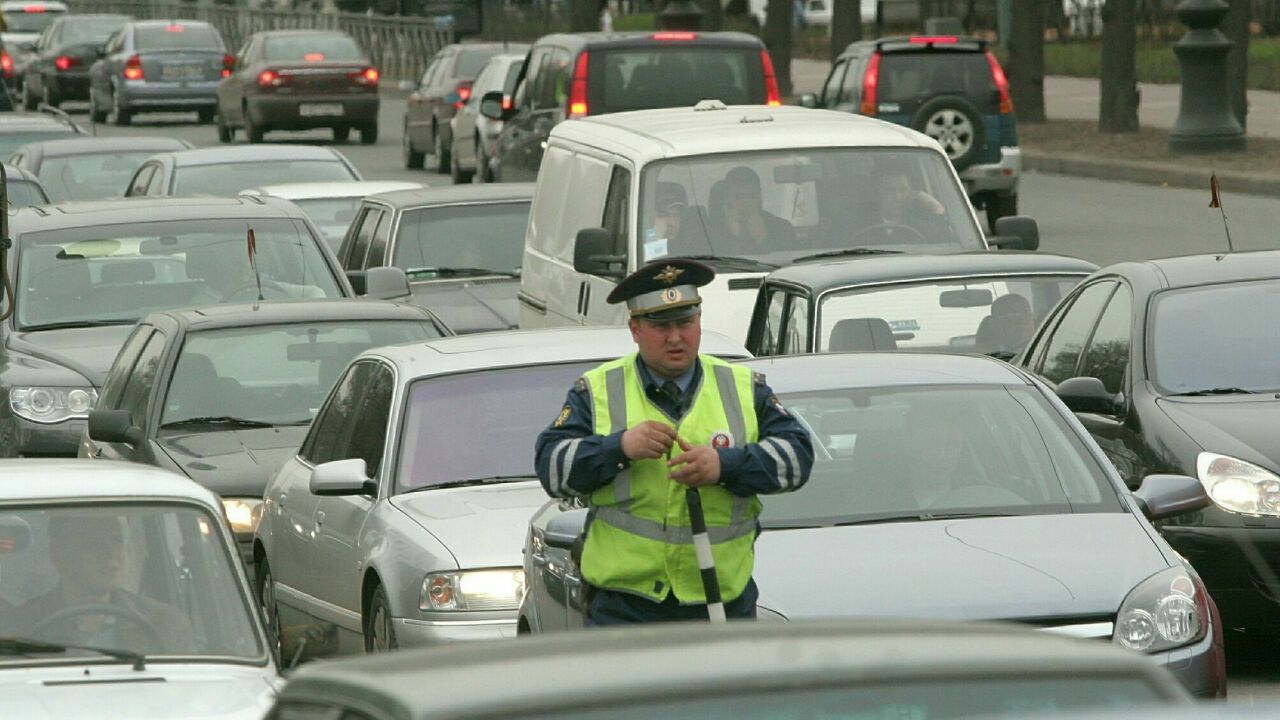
[1162, 496]
[491, 105]
[384, 283]
[341, 477]
[808, 100]
[592, 254]
[1015, 233]
[114, 426]
[1087, 394]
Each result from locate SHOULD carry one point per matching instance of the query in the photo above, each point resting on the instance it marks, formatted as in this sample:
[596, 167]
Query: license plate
[319, 109]
[181, 72]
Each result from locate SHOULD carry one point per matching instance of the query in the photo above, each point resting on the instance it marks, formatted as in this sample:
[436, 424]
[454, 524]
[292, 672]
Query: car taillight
[313, 57]
[464, 94]
[65, 62]
[1002, 84]
[870, 80]
[227, 62]
[578, 89]
[771, 95]
[367, 76]
[269, 78]
[6, 64]
[133, 68]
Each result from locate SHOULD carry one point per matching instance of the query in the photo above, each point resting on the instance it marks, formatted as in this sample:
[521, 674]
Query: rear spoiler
[907, 43]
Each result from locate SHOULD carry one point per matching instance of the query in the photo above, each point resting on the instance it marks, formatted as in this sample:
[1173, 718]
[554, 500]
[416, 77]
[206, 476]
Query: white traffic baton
[706, 561]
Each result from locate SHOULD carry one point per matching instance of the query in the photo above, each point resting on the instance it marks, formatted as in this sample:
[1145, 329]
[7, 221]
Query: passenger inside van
[741, 218]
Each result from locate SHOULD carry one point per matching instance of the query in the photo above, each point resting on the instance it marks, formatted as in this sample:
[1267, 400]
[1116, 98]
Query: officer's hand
[696, 466]
[648, 440]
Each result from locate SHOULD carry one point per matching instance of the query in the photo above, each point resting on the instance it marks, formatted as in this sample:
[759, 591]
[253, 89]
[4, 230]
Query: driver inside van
[744, 221]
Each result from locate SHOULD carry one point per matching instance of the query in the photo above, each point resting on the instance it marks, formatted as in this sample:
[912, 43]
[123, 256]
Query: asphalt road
[1101, 221]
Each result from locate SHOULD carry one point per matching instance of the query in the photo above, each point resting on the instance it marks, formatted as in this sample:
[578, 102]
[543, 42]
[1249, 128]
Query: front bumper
[282, 112]
[1201, 668]
[426, 633]
[1240, 566]
[1001, 177]
[189, 95]
[23, 438]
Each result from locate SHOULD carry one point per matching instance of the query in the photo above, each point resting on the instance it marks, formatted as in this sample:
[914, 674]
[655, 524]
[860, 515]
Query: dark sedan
[444, 87]
[299, 80]
[225, 394]
[949, 487]
[158, 66]
[19, 128]
[1171, 365]
[90, 168]
[461, 247]
[227, 171]
[59, 71]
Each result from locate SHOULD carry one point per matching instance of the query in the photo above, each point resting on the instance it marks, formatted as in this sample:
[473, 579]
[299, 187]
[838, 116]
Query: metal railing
[399, 47]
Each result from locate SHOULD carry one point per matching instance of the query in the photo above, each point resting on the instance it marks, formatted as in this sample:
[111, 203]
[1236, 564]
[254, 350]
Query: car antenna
[252, 245]
[6, 287]
[1215, 201]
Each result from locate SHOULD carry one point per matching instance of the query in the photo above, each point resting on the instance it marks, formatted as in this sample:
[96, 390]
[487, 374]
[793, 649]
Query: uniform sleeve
[570, 459]
[779, 462]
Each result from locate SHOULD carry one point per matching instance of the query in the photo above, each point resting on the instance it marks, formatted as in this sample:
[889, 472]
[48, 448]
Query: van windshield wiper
[1215, 391]
[923, 517]
[218, 420]
[76, 324]
[26, 646]
[496, 480]
[740, 262]
[847, 252]
[460, 271]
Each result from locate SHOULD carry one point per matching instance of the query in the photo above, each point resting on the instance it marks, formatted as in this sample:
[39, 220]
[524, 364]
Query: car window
[616, 204]
[831, 91]
[94, 30]
[30, 22]
[140, 181]
[1108, 355]
[426, 238]
[90, 177]
[769, 338]
[470, 62]
[1062, 351]
[548, 78]
[363, 238]
[330, 437]
[311, 47]
[158, 183]
[123, 365]
[177, 35]
[381, 236]
[908, 76]
[137, 389]
[796, 337]
[851, 88]
[642, 78]
[369, 434]
[538, 60]
[332, 216]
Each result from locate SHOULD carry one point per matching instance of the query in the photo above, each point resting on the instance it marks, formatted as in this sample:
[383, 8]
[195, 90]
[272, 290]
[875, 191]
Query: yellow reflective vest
[639, 540]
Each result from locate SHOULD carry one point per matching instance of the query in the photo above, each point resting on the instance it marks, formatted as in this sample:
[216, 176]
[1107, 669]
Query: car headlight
[244, 514]
[52, 404]
[1167, 610]
[1238, 486]
[498, 589]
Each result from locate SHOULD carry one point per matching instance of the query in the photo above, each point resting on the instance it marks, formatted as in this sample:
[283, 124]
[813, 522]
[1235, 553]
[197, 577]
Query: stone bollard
[1205, 120]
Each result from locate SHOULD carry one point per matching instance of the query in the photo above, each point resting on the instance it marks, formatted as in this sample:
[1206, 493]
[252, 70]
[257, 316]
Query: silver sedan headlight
[1239, 486]
[1166, 611]
[243, 514]
[52, 404]
[497, 589]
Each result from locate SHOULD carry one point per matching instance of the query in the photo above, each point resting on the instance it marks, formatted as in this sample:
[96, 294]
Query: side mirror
[808, 100]
[1162, 496]
[491, 105]
[564, 530]
[357, 280]
[384, 283]
[591, 254]
[114, 426]
[1087, 394]
[1015, 233]
[341, 477]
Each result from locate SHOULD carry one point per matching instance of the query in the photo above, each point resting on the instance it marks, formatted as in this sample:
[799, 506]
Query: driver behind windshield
[942, 466]
[902, 211]
[743, 219]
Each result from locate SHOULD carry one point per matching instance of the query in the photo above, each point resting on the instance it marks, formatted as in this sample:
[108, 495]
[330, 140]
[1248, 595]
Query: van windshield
[644, 78]
[777, 206]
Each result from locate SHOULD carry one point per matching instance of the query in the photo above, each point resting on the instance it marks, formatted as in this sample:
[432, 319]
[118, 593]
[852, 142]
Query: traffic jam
[613, 354]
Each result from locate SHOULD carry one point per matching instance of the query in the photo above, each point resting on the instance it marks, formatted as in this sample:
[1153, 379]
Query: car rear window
[83, 31]
[30, 21]
[177, 36]
[673, 76]
[912, 76]
[230, 178]
[306, 47]
[471, 62]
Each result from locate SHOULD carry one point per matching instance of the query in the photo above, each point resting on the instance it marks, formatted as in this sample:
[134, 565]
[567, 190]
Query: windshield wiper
[496, 480]
[923, 517]
[460, 271]
[25, 646]
[1215, 391]
[219, 420]
[742, 262]
[76, 324]
[847, 252]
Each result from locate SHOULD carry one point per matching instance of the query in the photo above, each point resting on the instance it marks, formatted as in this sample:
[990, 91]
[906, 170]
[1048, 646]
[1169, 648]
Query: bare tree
[777, 37]
[1236, 28]
[584, 15]
[1118, 105]
[1026, 60]
[712, 15]
[846, 25]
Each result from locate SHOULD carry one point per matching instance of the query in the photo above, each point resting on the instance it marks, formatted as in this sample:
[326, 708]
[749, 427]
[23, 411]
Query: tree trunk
[712, 15]
[1118, 104]
[846, 25]
[777, 37]
[584, 15]
[1026, 60]
[1236, 27]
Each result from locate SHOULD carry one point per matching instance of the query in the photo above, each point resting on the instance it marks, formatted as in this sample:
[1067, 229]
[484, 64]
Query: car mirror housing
[1162, 496]
[564, 530]
[808, 100]
[1087, 395]
[592, 254]
[341, 477]
[384, 283]
[357, 280]
[491, 105]
[1015, 233]
[114, 426]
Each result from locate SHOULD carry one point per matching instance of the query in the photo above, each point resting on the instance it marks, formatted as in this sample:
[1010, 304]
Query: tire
[956, 124]
[341, 134]
[413, 159]
[29, 101]
[205, 116]
[266, 592]
[225, 134]
[482, 165]
[252, 132]
[48, 98]
[999, 206]
[95, 114]
[369, 134]
[379, 632]
[457, 174]
[441, 153]
[118, 115]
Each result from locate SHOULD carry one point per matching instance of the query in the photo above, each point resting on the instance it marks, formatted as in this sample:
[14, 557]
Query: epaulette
[757, 378]
[580, 385]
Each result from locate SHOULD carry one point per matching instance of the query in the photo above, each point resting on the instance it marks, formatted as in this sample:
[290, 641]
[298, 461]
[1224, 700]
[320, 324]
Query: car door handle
[319, 518]
[280, 503]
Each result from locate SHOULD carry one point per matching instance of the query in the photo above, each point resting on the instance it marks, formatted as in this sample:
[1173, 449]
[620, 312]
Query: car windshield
[30, 22]
[930, 450]
[1191, 329]
[332, 215]
[150, 579]
[176, 36]
[471, 62]
[11, 140]
[275, 374]
[311, 48]
[24, 194]
[227, 179]
[90, 30]
[494, 418]
[428, 238]
[119, 273]
[90, 177]
[673, 75]
[776, 206]
[979, 315]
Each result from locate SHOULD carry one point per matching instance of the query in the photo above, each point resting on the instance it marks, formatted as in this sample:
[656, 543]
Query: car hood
[482, 526]
[191, 692]
[233, 463]
[727, 303]
[1242, 426]
[1038, 567]
[471, 305]
[85, 351]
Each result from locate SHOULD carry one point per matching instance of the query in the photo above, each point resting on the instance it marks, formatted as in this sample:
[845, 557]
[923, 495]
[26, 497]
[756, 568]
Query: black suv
[949, 87]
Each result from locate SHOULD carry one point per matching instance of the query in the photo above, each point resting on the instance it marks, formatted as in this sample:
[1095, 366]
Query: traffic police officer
[635, 432]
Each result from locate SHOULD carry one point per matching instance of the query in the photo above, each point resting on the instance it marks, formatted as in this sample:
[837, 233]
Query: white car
[331, 205]
[475, 137]
[122, 596]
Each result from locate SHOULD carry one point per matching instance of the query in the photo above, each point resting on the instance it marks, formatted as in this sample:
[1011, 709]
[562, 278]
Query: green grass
[1157, 63]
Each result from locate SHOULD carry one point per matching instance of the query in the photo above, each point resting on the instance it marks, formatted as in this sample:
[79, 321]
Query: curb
[1150, 173]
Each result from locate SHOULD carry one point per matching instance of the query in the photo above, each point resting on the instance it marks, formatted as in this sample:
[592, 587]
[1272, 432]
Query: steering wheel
[134, 618]
[888, 225]
[253, 286]
[977, 496]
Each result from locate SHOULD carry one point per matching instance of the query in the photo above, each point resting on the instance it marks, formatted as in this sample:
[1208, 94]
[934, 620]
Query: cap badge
[722, 440]
[672, 295]
[669, 274]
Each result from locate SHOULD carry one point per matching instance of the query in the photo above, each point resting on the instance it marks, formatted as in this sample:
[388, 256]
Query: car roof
[118, 211]
[1189, 270]
[58, 479]
[102, 145]
[833, 371]
[845, 272]
[521, 348]
[607, 666]
[647, 38]
[316, 190]
[464, 46]
[452, 194]
[675, 132]
[280, 312]
[265, 152]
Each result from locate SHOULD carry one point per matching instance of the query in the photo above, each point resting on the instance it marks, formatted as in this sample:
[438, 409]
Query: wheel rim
[380, 629]
[952, 130]
[268, 602]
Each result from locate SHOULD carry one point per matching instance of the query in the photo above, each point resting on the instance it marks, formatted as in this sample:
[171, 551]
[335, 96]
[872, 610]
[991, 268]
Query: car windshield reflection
[227, 179]
[1208, 340]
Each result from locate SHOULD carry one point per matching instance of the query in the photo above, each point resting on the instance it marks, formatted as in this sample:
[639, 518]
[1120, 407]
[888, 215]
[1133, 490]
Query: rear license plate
[181, 72]
[319, 109]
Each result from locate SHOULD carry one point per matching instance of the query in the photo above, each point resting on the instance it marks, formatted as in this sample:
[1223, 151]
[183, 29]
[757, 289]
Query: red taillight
[227, 62]
[367, 76]
[268, 78]
[6, 64]
[506, 102]
[578, 89]
[313, 57]
[133, 68]
[934, 39]
[771, 95]
[464, 94]
[675, 36]
[65, 62]
[869, 82]
[1002, 84]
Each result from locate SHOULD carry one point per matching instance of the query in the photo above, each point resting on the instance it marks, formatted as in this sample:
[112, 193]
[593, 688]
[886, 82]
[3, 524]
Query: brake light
[464, 94]
[869, 82]
[133, 68]
[33, 9]
[65, 62]
[677, 36]
[268, 78]
[1002, 84]
[227, 62]
[175, 28]
[367, 76]
[771, 95]
[313, 57]
[934, 39]
[6, 64]
[578, 89]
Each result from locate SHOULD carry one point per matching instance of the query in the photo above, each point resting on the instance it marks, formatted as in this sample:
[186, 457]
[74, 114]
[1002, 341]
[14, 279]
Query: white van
[746, 189]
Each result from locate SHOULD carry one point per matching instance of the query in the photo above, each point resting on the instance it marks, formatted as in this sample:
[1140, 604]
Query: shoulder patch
[757, 378]
[777, 405]
[565, 412]
[580, 385]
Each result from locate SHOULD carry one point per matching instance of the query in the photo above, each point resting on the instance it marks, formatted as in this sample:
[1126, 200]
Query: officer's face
[669, 348]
